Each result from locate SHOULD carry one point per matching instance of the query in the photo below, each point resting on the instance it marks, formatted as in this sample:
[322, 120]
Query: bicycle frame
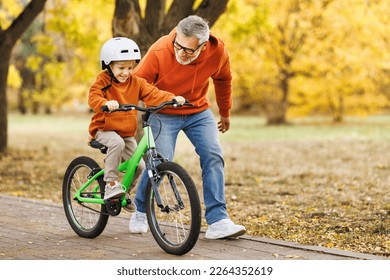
[130, 166]
[169, 190]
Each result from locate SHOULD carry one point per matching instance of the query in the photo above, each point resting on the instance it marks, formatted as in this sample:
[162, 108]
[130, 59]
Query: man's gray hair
[194, 26]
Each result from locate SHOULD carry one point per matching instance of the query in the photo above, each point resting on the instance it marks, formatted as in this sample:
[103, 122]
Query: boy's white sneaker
[114, 191]
[224, 228]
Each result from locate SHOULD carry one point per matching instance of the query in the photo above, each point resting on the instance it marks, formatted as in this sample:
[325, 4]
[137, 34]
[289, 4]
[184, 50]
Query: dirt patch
[326, 193]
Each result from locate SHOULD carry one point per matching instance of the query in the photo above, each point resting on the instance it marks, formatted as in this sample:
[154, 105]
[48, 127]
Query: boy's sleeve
[152, 96]
[96, 98]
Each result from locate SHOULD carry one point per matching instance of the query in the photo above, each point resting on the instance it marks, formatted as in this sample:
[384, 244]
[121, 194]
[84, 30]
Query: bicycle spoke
[176, 225]
[86, 219]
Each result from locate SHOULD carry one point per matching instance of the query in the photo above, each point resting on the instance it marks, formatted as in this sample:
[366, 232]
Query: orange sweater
[159, 66]
[129, 92]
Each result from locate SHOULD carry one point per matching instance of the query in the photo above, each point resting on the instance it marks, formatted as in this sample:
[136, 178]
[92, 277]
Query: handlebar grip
[105, 108]
[187, 103]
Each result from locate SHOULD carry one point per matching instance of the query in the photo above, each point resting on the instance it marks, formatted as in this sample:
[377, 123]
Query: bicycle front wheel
[86, 219]
[176, 224]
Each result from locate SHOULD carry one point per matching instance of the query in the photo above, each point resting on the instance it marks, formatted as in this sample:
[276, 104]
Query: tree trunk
[5, 50]
[8, 39]
[128, 21]
[276, 114]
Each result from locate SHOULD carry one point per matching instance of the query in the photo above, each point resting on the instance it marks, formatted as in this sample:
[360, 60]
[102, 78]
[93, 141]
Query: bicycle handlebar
[129, 107]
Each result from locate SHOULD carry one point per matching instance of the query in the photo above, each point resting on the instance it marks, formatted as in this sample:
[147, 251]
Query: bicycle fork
[154, 158]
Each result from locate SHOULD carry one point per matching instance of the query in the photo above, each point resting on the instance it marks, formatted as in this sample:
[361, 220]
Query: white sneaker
[114, 191]
[224, 228]
[138, 223]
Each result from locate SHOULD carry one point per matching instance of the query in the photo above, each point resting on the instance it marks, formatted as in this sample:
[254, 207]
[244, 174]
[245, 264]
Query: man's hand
[224, 124]
[112, 105]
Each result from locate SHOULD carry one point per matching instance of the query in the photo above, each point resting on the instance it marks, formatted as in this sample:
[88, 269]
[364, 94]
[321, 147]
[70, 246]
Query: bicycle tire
[177, 230]
[87, 220]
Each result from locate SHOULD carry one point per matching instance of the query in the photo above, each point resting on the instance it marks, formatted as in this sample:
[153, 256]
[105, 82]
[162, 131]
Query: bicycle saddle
[97, 145]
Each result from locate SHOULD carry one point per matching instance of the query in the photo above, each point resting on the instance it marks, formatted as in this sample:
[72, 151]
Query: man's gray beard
[187, 61]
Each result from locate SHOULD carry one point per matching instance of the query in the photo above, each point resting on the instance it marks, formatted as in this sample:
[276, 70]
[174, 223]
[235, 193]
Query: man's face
[187, 49]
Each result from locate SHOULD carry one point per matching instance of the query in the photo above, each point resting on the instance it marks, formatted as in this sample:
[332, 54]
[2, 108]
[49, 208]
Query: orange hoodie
[159, 66]
[129, 92]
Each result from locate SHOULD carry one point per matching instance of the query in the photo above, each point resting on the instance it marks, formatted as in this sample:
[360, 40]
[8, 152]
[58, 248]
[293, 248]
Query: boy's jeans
[201, 129]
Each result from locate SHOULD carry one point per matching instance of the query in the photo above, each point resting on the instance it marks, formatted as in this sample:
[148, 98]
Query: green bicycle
[172, 201]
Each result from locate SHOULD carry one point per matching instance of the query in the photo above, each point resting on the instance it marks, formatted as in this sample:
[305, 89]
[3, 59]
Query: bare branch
[178, 10]
[211, 10]
[23, 21]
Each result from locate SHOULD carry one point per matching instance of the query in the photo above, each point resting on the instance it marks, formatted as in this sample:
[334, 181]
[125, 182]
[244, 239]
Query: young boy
[113, 86]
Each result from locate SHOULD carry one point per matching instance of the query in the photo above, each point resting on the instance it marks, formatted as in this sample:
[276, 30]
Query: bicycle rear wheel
[176, 226]
[86, 219]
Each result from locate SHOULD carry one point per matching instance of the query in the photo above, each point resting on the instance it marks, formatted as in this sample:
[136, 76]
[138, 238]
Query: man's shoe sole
[233, 235]
[237, 234]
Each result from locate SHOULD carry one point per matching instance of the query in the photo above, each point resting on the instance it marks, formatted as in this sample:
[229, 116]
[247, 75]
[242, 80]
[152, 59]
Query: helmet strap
[112, 78]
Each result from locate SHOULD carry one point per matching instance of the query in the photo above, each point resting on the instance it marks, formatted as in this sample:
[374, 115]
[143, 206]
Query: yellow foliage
[65, 51]
[14, 80]
[331, 59]
[9, 10]
[34, 62]
[291, 57]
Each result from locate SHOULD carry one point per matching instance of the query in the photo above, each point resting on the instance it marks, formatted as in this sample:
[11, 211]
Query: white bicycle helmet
[118, 49]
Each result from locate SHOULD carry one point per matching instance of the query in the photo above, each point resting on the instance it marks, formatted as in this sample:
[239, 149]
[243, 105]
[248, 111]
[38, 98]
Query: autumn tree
[146, 25]
[25, 49]
[8, 39]
[347, 62]
[305, 57]
[278, 32]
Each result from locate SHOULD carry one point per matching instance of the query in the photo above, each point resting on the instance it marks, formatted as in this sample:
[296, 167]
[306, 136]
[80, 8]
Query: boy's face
[122, 70]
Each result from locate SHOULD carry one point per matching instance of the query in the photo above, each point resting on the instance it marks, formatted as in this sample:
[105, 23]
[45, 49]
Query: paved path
[38, 230]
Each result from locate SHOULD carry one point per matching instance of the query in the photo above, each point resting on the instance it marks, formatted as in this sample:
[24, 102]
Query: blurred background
[306, 156]
[289, 57]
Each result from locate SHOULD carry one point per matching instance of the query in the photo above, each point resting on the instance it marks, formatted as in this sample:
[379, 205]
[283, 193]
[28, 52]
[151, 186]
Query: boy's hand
[180, 100]
[112, 105]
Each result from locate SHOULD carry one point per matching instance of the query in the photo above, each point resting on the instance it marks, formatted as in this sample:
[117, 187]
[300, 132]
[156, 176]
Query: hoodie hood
[160, 67]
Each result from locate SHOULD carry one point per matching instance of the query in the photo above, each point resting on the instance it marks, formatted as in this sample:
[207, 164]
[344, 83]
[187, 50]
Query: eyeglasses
[189, 51]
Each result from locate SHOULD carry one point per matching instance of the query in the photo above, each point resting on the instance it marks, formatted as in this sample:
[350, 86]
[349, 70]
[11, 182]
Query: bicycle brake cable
[160, 125]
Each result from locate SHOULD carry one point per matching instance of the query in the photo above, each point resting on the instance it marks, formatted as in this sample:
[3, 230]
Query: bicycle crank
[113, 206]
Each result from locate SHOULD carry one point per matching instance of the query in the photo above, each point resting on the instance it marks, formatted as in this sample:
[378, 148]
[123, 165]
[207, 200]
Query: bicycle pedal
[113, 207]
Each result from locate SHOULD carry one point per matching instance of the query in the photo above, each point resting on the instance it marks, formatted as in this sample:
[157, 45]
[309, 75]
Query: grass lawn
[311, 182]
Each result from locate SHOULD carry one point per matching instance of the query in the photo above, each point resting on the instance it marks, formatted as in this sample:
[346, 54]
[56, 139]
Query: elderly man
[182, 62]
